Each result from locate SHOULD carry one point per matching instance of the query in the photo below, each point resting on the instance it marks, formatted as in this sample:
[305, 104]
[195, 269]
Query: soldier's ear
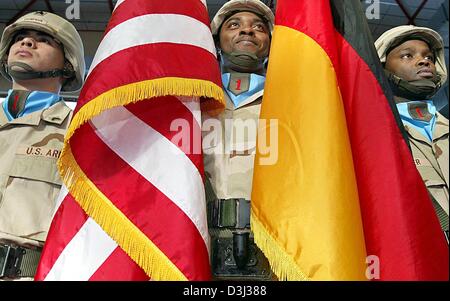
[216, 39]
[218, 49]
[68, 71]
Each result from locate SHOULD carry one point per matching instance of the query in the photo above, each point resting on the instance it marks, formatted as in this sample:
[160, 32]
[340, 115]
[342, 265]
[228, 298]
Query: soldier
[42, 54]
[413, 58]
[242, 31]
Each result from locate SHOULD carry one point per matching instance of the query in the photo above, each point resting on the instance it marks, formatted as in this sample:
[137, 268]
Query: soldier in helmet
[242, 32]
[413, 58]
[42, 54]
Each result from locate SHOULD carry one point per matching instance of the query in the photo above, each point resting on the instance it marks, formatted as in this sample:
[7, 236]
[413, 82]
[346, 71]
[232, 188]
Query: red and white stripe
[129, 152]
[155, 32]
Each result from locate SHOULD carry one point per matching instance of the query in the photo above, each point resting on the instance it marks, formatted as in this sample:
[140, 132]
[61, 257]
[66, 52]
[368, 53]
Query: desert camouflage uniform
[431, 159]
[229, 156]
[29, 179]
[229, 174]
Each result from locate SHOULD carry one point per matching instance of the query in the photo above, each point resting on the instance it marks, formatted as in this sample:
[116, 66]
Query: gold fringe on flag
[281, 263]
[131, 93]
[135, 243]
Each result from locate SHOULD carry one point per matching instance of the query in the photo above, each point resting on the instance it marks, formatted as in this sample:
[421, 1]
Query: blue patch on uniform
[426, 128]
[256, 84]
[36, 101]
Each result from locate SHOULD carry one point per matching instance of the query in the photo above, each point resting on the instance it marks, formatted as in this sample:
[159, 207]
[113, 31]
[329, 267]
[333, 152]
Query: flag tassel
[284, 267]
[135, 92]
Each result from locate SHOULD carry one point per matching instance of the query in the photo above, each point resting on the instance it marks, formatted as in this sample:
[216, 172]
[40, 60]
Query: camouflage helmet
[234, 6]
[400, 34]
[58, 28]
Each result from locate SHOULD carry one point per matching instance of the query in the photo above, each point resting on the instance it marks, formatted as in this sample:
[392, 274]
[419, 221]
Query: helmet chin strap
[29, 73]
[413, 90]
[242, 61]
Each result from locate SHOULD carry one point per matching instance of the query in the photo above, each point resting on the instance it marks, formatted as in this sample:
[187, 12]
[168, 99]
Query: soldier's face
[245, 31]
[36, 49]
[412, 60]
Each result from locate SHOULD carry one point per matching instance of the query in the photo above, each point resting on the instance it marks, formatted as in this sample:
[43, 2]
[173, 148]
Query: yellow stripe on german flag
[314, 214]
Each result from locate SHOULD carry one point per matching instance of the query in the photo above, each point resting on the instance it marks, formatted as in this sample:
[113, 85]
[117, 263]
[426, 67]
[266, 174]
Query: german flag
[343, 201]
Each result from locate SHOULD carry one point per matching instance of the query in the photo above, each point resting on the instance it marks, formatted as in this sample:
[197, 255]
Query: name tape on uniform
[39, 152]
[421, 162]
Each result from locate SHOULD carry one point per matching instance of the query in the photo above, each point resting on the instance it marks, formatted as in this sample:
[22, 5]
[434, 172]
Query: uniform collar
[55, 114]
[252, 88]
[27, 102]
[3, 117]
[416, 134]
[230, 105]
[420, 116]
[441, 127]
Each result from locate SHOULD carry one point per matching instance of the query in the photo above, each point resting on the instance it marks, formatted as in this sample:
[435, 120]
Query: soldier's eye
[406, 56]
[259, 26]
[233, 25]
[44, 39]
[430, 58]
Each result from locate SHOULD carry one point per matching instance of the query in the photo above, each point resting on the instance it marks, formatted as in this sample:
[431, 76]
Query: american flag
[134, 207]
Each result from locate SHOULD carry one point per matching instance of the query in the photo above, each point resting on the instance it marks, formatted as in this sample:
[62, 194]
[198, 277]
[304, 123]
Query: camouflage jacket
[229, 146]
[431, 159]
[29, 179]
